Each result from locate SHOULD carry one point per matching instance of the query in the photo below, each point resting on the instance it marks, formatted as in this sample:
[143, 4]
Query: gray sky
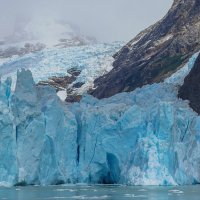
[107, 20]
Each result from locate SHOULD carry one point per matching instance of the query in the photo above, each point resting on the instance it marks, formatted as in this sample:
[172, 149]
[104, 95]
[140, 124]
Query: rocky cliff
[156, 52]
[190, 90]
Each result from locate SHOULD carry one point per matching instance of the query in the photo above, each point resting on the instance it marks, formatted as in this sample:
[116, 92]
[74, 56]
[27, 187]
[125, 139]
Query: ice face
[145, 137]
[41, 135]
[150, 140]
[8, 158]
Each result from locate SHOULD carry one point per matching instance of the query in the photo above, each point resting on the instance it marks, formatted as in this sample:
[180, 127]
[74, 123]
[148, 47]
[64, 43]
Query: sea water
[109, 192]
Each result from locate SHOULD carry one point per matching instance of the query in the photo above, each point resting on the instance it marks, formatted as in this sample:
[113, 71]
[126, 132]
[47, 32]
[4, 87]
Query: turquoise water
[107, 192]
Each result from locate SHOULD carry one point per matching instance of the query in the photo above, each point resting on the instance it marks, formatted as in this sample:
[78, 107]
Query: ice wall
[146, 137]
[38, 135]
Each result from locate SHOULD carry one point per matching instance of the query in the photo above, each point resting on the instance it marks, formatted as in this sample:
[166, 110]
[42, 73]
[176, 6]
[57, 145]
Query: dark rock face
[76, 41]
[66, 82]
[71, 98]
[61, 83]
[16, 51]
[156, 52]
[190, 90]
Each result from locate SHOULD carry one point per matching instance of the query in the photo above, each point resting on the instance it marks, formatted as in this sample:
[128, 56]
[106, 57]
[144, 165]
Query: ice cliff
[145, 137]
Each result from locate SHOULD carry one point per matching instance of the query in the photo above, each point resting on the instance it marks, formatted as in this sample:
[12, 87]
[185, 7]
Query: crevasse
[145, 137]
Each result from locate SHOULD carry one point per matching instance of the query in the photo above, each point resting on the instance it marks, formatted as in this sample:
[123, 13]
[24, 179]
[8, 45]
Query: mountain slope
[156, 52]
[190, 90]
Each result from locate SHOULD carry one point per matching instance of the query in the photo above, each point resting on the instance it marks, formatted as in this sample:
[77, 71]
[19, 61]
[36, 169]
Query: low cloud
[107, 20]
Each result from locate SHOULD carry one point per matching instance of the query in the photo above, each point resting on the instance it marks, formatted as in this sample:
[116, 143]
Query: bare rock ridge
[60, 83]
[155, 53]
[190, 90]
[64, 83]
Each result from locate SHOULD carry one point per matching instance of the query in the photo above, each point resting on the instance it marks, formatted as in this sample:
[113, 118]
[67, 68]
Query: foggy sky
[107, 20]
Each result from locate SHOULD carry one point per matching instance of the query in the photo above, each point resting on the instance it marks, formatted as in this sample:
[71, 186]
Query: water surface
[108, 192]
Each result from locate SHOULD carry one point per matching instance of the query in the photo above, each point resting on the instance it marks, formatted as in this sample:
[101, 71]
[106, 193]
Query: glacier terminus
[144, 137]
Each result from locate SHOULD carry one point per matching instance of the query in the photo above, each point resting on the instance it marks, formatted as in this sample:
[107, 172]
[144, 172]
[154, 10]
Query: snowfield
[92, 60]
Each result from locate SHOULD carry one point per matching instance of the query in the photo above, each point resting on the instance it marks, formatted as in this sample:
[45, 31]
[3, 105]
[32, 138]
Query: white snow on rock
[163, 39]
[62, 95]
[48, 31]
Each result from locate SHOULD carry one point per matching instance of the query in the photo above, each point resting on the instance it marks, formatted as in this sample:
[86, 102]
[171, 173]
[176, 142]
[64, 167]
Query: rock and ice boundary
[145, 137]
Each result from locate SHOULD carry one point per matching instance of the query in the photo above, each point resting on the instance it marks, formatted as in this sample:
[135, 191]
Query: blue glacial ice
[145, 137]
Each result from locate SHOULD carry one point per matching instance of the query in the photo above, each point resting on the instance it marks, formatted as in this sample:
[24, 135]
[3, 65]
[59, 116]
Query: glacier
[145, 137]
[92, 60]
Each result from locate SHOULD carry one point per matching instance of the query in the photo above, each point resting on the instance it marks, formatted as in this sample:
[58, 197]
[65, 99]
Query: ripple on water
[79, 197]
[69, 190]
[176, 191]
[135, 196]
[142, 190]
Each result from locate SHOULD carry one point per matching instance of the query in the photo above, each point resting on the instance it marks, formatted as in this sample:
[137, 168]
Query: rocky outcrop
[66, 83]
[156, 52]
[61, 83]
[20, 51]
[190, 90]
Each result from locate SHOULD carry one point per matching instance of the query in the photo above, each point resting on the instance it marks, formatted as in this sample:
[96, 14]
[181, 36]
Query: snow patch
[163, 40]
[62, 95]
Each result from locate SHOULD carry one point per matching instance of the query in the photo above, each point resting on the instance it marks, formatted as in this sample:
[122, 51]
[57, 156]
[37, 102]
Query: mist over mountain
[35, 34]
[106, 20]
[48, 31]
